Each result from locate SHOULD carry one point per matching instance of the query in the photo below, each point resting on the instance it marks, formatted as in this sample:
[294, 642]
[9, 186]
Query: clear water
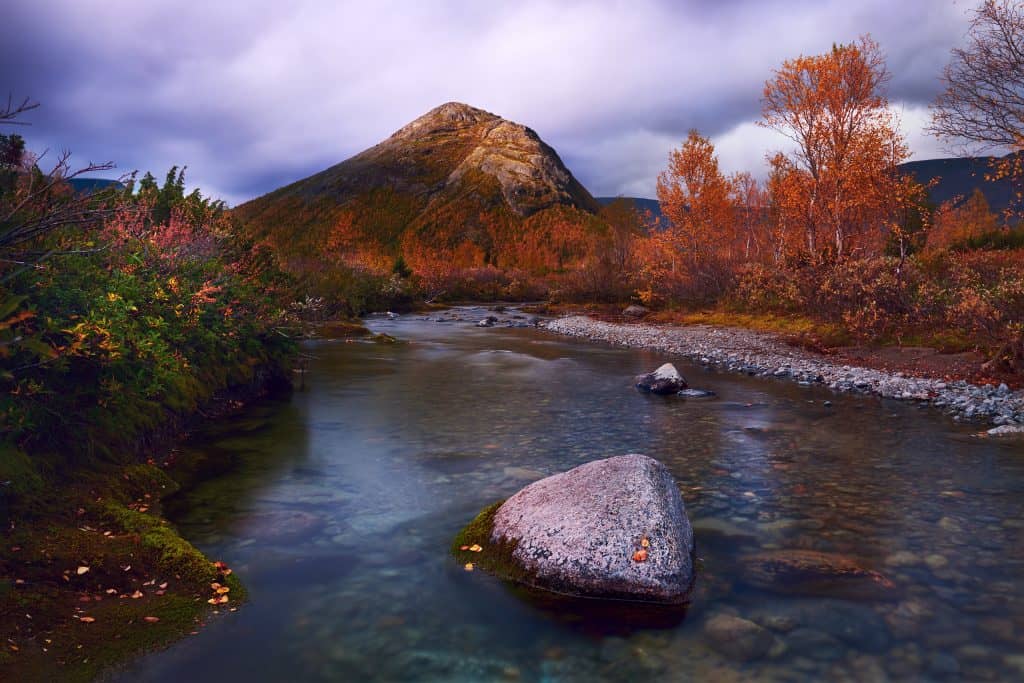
[337, 508]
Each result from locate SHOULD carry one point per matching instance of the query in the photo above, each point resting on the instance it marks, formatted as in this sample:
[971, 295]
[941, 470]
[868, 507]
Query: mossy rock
[494, 557]
[342, 329]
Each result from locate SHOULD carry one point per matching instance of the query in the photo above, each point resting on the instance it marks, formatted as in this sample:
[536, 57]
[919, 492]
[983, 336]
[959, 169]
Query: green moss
[495, 557]
[18, 473]
[176, 555]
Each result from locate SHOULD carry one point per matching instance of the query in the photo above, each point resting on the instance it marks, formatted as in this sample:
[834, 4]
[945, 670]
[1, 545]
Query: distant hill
[642, 204]
[958, 177]
[86, 185]
[458, 184]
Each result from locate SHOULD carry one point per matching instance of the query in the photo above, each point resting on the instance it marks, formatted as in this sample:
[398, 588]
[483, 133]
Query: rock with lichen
[612, 528]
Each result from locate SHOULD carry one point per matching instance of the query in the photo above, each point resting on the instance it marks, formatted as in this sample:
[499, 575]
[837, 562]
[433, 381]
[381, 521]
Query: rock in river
[613, 528]
[664, 380]
[737, 638]
[634, 311]
[809, 572]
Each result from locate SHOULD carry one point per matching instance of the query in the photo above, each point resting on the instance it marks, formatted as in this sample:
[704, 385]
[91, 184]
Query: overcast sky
[254, 94]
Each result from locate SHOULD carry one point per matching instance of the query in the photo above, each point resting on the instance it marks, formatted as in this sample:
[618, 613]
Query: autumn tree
[833, 107]
[958, 224]
[983, 100]
[695, 200]
[750, 210]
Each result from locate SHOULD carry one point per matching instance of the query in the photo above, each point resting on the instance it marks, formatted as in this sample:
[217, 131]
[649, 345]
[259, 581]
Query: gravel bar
[765, 355]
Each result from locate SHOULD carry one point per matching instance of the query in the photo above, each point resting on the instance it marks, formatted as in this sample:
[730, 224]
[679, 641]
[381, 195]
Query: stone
[1006, 430]
[737, 638]
[942, 664]
[665, 380]
[612, 528]
[634, 311]
[696, 393]
[902, 558]
[810, 572]
[487, 322]
[936, 561]
[814, 644]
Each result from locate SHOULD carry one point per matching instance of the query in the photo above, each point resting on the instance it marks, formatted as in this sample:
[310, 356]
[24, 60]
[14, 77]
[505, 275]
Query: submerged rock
[696, 393]
[613, 528]
[809, 572]
[664, 380]
[737, 638]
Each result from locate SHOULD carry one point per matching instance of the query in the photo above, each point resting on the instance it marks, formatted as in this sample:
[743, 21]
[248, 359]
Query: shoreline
[762, 354]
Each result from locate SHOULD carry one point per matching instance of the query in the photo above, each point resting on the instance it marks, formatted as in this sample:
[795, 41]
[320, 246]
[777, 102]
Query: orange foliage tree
[832, 106]
[700, 237]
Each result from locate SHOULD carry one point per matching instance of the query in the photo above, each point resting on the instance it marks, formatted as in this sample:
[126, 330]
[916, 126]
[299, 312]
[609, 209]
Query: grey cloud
[255, 94]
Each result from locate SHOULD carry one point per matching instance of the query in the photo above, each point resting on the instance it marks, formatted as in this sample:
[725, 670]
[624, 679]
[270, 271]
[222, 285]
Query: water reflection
[338, 507]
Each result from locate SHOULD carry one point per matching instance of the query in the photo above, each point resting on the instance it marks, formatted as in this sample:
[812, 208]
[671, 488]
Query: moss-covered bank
[91, 574]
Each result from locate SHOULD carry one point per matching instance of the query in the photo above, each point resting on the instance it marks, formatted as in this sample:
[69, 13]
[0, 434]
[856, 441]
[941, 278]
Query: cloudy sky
[252, 94]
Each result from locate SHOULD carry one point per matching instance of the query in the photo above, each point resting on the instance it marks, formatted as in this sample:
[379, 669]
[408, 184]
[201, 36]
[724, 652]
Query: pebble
[757, 353]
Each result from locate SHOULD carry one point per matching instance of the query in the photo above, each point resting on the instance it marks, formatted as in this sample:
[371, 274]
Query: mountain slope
[959, 177]
[457, 183]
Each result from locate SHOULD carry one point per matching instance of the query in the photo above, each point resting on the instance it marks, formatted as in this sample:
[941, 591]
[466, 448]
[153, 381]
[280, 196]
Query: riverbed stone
[634, 311]
[737, 638]
[696, 393]
[665, 380]
[813, 573]
[612, 528]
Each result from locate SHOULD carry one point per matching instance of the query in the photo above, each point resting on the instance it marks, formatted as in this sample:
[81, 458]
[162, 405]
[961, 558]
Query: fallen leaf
[640, 556]
[151, 620]
[475, 548]
[111, 591]
[81, 570]
[468, 567]
[644, 542]
[163, 585]
[463, 547]
[87, 620]
[136, 595]
[223, 589]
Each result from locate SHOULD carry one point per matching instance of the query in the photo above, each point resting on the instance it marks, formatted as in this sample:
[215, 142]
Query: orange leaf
[87, 620]
[640, 556]
[151, 620]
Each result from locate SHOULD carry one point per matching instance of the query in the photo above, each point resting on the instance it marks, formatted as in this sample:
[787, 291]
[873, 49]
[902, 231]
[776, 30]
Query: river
[337, 508]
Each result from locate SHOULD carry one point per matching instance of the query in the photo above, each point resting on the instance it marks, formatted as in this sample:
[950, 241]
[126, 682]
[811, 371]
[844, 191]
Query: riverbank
[93, 575]
[767, 355]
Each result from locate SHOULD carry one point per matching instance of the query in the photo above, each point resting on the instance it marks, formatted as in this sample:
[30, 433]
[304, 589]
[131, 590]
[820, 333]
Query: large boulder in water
[613, 528]
[664, 380]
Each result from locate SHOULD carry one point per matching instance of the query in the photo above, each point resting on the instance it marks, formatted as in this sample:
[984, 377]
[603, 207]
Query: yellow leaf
[475, 548]
[469, 567]
[81, 570]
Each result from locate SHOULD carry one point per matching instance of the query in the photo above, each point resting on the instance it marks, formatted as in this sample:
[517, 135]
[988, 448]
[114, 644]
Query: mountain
[959, 177]
[641, 204]
[458, 184]
[89, 185]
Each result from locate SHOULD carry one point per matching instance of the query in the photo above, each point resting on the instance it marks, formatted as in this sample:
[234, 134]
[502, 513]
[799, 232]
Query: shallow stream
[337, 508]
